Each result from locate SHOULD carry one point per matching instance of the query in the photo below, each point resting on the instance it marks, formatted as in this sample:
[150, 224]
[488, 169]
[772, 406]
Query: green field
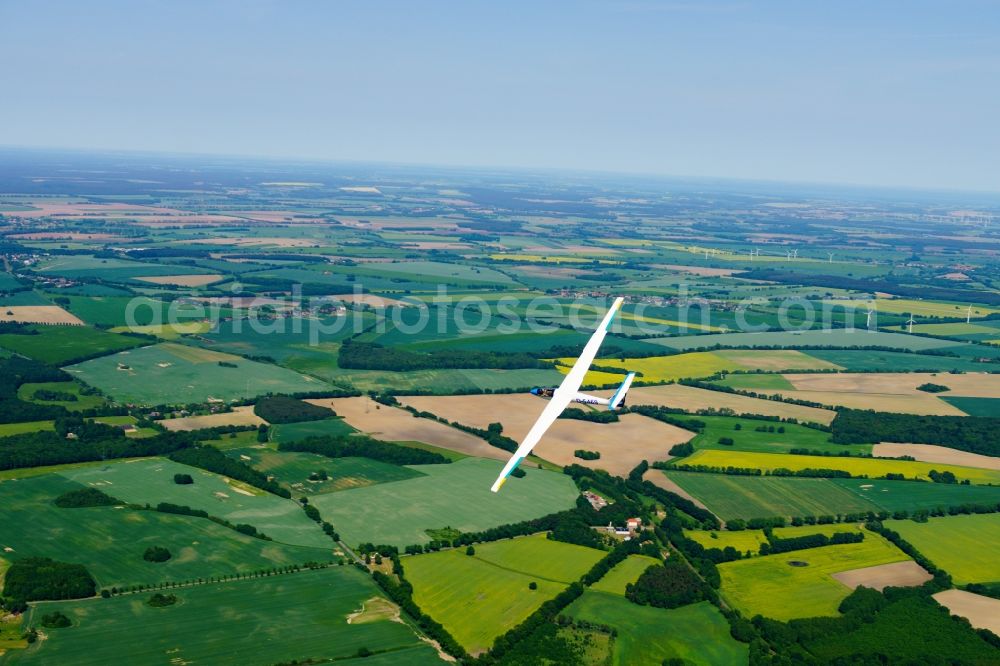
[793, 339]
[912, 496]
[292, 470]
[152, 480]
[9, 429]
[697, 633]
[871, 467]
[285, 343]
[749, 541]
[170, 373]
[420, 270]
[975, 406]
[439, 381]
[964, 546]
[447, 453]
[456, 495]
[743, 540]
[110, 541]
[112, 310]
[625, 572]
[866, 360]
[300, 616]
[770, 586]
[27, 391]
[748, 497]
[290, 432]
[748, 438]
[480, 597]
[59, 344]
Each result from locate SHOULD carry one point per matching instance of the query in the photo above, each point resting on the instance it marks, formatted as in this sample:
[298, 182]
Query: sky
[899, 93]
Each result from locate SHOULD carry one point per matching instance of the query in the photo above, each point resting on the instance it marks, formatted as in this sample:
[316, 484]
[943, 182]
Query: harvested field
[981, 612]
[396, 425]
[935, 454]
[182, 280]
[239, 416]
[622, 445]
[971, 384]
[924, 405]
[884, 392]
[372, 300]
[38, 314]
[692, 399]
[881, 576]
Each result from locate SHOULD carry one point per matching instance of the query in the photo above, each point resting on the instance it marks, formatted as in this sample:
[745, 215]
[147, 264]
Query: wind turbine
[829, 256]
[795, 254]
[868, 321]
[968, 315]
[788, 255]
[909, 324]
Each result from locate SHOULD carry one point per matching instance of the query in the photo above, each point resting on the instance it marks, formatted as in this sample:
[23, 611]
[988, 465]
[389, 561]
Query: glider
[568, 392]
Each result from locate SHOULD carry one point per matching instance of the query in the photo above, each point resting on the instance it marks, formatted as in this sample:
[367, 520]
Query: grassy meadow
[301, 616]
[478, 598]
[110, 541]
[456, 495]
[625, 572]
[293, 469]
[772, 587]
[59, 344]
[26, 392]
[171, 373]
[697, 633]
[152, 480]
[748, 497]
[964, 546]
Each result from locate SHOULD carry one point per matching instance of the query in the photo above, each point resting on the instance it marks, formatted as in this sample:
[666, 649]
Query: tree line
[976, 434]
[214, 460]
[283, 409]
[365, 447]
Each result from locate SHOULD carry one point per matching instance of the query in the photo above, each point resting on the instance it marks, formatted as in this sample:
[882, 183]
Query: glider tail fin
[618, 399]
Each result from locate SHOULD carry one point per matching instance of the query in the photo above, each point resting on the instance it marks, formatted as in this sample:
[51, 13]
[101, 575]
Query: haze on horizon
[884, 94]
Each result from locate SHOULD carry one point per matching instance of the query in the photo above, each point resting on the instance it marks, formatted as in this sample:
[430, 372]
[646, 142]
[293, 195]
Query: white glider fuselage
[566, 393]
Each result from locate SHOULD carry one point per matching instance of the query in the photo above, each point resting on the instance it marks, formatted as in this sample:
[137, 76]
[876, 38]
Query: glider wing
[563, 395]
